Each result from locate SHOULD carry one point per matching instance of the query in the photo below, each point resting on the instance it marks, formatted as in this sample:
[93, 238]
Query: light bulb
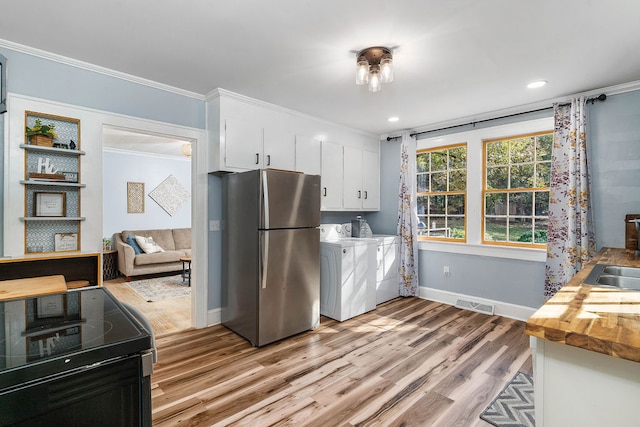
[386, 68]
[374, 79]
[362, 71]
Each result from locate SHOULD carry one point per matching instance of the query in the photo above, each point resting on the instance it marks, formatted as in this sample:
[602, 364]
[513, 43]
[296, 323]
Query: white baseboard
[214, 316]
[505, 309]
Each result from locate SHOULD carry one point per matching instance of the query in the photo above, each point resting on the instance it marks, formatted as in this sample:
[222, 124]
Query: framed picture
[135, 197]
[50, 204]
[70, 176]
[65, 242]
[50, 306]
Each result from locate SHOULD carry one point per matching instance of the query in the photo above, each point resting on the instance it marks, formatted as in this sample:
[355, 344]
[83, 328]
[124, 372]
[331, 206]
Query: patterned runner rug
[514, 405]
[160, 288]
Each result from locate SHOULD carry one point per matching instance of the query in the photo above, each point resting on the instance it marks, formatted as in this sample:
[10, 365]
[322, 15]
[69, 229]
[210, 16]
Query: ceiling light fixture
[393, 119]
[186, 149]
[374, 65]
[537, 84]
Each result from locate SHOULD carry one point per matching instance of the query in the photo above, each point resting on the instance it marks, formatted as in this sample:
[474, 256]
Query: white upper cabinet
[246, 134]
[331, 180]
[361, 179]
[279, 150]
[308, 155]
[352, 178]
[250, 146]
[371, 180]
[243, 144]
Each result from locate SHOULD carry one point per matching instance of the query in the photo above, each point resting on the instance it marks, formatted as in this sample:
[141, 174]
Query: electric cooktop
[49, 334]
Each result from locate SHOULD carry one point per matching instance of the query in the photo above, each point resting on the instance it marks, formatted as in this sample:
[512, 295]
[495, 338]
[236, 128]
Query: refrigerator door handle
[265, 195]
[264, 259]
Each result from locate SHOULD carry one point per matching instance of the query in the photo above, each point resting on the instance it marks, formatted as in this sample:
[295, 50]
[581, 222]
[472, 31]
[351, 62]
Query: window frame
[485, 191]
[446, 193]
[474, 135]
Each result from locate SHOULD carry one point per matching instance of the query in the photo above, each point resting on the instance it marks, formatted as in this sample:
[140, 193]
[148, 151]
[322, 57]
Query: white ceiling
[453, 58]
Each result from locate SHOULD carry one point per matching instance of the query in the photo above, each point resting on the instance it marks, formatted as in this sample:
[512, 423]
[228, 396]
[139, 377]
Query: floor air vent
[475, 306]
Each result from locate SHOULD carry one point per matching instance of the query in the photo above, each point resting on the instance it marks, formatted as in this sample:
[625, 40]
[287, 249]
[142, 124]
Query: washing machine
[347, 274]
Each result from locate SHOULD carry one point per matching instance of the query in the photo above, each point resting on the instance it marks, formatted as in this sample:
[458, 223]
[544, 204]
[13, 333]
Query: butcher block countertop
[593, 318]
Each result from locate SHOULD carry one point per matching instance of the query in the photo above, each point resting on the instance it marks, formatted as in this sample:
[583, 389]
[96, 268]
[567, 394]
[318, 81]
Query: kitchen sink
[621, 271]
[614, 276]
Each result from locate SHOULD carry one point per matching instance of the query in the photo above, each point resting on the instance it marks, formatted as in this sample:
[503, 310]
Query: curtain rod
[600, 97]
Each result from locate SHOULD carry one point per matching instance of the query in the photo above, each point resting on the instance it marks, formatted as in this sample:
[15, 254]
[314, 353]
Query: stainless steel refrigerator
[270, 254]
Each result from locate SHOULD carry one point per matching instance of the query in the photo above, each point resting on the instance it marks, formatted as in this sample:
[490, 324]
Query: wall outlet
[214, 225]
[445, 271]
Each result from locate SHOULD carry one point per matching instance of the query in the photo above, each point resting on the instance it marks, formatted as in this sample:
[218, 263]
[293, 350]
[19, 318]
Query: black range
[76, 358]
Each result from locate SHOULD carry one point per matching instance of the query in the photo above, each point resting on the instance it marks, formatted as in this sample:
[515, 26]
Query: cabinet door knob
[324, 191]
[365, 194]
[268, 159]
[257, 158]
[359, 194]
[344, 251]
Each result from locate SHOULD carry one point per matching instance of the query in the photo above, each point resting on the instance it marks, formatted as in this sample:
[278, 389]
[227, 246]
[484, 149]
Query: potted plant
[41, 134]
[106, 244]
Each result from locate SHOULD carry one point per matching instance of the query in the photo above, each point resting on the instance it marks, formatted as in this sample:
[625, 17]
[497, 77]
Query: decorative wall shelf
[40, 231]
[52, 218]
[58, 151]
[53, 183]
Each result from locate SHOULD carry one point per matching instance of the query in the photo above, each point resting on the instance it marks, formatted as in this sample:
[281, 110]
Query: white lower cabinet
[388, 252]
[578, 387]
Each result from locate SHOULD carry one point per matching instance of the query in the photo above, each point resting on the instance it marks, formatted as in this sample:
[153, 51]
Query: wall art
[135, 197]
[170, 195]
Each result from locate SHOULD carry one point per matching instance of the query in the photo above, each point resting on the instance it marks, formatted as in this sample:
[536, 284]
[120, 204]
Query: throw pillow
[131, 241]
[148, 245]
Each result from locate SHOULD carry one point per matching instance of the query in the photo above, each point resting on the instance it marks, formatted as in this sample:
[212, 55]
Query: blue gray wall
[46, 79]
[614, 127]
[120, 168]
[614, 136]
[214, 199]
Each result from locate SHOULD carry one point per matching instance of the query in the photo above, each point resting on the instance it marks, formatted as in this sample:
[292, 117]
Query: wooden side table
[109, 264]
[186, 269]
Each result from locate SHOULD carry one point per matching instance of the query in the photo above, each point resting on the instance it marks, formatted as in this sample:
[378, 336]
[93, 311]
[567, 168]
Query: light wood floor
[411, 362]
[166, 316]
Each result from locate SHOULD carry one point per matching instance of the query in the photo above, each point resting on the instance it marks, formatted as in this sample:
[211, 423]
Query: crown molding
[223, 93]
[97, 69]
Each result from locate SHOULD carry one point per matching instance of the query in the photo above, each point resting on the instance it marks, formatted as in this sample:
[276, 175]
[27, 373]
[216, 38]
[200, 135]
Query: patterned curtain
[571, 240]
[408, 218]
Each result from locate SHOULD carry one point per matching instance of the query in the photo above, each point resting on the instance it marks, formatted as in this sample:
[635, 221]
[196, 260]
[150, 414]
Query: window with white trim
[475, 241]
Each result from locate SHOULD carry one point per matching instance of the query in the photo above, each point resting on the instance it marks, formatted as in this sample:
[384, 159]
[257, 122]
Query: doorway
[148, 158]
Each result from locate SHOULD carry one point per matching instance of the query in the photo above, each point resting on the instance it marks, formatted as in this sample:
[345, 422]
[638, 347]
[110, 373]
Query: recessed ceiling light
[393, 119]
[537, 84]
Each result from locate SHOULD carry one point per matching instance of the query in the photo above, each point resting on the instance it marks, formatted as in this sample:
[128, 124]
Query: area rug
[514, 405]
[160, 288]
